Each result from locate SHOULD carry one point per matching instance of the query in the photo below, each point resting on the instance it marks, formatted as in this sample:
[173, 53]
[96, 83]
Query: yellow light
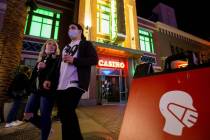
[182, 65]
[87, 21]
[179, 64]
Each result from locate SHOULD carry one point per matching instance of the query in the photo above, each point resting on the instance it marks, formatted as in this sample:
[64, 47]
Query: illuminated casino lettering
[113, 64]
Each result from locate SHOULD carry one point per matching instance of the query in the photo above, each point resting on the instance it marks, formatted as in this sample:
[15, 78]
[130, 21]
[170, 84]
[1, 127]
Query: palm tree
[11, 37]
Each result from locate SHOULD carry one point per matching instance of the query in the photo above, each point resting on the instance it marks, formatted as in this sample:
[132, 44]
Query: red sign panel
[173, 106]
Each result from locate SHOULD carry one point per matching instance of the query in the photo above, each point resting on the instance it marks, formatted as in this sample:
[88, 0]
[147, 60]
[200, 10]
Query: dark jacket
[87, 57]
[39, 76]
[19, 85]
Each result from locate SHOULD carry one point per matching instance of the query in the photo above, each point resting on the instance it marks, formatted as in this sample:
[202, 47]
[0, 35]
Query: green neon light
[58, 16]
[35, 28]
[56, 30]
[46, 31]
[146, 41]
[44, 12]
[41, 26]
[56, 33]
[26, 24]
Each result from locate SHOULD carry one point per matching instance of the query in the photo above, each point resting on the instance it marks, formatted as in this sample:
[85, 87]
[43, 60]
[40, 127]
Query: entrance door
[113, 90]
[108, 89]
[123, 89]
[111, 86]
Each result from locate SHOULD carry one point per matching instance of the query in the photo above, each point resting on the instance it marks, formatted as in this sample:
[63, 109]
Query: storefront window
[146, 41]
[43, 23]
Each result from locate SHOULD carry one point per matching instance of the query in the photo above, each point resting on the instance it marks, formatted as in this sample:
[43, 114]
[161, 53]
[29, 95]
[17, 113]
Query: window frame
[100, 19]
[56, 17]
[145, 37]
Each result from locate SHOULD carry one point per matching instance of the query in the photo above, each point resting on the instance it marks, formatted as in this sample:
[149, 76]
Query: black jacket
[87, 57]
[20, 83]
[42, 75]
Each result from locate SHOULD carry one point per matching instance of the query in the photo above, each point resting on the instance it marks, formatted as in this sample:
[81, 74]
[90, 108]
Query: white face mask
[73, 33]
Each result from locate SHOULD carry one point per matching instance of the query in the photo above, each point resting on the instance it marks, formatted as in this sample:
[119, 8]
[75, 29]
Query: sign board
[169, 106]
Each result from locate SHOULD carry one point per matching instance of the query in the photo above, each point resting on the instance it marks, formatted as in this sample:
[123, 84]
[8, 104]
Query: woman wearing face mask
[73, 72]
[40, 98]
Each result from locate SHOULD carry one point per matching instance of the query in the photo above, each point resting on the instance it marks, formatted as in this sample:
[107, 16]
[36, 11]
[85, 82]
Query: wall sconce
[132, 38]
[87, 32]
[86, 27]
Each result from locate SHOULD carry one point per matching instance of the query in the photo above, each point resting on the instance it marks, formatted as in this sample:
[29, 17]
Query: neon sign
[112, 64]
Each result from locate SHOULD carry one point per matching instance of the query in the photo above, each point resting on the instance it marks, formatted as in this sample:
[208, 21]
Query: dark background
[192, 16]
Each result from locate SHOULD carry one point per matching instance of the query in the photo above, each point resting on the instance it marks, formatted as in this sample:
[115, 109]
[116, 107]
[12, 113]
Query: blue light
[106, 72]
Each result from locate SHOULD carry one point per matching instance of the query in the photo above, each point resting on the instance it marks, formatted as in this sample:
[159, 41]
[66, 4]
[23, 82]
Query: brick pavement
[109, 116]
[97, 123]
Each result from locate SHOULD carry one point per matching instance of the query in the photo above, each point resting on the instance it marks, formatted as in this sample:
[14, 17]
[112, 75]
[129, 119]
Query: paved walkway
[97, 123]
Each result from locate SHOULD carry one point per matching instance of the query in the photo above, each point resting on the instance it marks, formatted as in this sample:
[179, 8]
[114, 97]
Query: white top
[68, 72]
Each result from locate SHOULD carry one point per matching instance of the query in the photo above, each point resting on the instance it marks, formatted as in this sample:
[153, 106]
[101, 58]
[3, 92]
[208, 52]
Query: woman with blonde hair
[40, 98]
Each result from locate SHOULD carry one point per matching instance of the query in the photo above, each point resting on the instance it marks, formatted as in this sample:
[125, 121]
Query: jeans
[67, 103]
[12, 116]
[45, 104]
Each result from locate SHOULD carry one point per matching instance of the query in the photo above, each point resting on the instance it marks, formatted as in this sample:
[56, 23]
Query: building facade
[122, 41]
[159, 40]
[111, 26]
[172, 41]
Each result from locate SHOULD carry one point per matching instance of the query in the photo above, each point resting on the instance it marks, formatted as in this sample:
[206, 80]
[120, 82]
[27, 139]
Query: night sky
[192, 17]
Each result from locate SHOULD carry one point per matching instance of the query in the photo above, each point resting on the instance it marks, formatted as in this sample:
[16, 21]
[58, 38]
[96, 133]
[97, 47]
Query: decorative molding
[167, 28]
[52, 4]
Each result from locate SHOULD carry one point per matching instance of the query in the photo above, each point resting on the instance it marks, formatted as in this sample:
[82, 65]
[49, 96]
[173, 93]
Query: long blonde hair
[42, 53]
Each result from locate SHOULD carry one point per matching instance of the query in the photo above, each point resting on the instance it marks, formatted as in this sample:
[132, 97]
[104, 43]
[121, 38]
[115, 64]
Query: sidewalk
[97, 123]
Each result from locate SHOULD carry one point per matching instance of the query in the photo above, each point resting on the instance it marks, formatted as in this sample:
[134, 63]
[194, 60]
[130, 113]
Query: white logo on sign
[178, 111]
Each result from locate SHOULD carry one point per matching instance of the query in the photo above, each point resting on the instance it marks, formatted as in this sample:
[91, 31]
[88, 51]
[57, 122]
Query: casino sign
[110, 63]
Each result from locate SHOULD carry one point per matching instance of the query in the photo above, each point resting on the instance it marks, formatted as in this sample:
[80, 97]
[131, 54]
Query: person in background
[18, 91]
[40, 98]
[73, 73]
